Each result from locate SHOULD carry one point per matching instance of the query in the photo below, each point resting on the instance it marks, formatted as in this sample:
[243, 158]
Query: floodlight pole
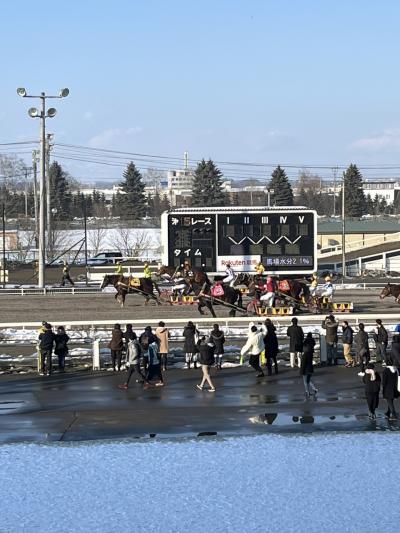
[343, 231]
[42, 222]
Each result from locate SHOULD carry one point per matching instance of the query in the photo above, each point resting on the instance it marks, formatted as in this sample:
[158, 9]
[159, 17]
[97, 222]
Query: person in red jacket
[268, 295]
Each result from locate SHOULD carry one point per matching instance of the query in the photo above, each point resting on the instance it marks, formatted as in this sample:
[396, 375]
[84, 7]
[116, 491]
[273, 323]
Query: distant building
[384, 190]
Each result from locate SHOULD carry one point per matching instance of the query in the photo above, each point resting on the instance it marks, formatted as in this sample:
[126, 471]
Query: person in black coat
[296, 338]
[271, 346]
[362, 346]
[217, 338]
[206, 359]
[306, 366]
[47, 339]
[390, 378]
[61, 349]
[395, 357]
[190, 343]
[372, 381]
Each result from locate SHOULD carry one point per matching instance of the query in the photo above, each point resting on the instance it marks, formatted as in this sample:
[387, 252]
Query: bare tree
[25, 241]
[96, 236]
[131, 242]
[57, 242]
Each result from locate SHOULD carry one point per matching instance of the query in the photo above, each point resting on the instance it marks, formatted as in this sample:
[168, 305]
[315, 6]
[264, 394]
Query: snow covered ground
[344, 482]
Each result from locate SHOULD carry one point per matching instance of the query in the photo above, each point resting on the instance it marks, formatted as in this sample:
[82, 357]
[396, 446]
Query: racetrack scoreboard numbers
[283, 239]
[192, 238]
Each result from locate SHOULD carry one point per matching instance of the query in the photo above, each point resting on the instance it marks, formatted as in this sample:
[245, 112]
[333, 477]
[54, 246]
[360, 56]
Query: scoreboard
[284, 239]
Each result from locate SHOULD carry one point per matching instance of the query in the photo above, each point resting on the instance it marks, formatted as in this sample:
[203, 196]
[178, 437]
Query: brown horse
[391, 290]
[123, 286]
[232, 298]
[195, 275]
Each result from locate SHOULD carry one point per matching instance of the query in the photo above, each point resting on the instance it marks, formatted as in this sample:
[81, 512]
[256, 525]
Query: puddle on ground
[284, 419]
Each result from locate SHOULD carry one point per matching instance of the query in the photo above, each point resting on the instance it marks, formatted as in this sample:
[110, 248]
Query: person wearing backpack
[145, 339]
[61, 349]
[154, 370]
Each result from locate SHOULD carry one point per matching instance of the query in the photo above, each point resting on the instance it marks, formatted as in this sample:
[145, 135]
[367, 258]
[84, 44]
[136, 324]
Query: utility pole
[35, 155]
[343, 230]
[49, 137]
[26, 191]
[85, 229]
[335, 169]
[4, 244]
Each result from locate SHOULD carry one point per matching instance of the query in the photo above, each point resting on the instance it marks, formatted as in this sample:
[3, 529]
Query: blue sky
[289, 81]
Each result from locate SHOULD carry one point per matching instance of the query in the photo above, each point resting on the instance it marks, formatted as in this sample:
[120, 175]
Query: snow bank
[252, 484]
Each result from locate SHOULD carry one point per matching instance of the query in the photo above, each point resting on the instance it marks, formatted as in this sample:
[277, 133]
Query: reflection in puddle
[283, 419]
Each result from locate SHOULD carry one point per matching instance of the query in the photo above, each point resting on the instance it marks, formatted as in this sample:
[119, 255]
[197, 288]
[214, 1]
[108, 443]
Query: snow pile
[252, 484]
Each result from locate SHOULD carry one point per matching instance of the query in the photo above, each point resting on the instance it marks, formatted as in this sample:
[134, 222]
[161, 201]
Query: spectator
[331, 337]
[271, 345]
[307, 367]
[154, 367]
[116, 344]
[145, 339]
[217, 338]
[396, 351]
[162, 335]
[381, 338]
[206, 360]
[133, 351]
[254, 345]
[390, 378]
[362, 346]
[397, 328]
[46, 344]
[347, 340]
[129, 334]
[61, 349]
[372, 381]
[296, 338]
[190, 335]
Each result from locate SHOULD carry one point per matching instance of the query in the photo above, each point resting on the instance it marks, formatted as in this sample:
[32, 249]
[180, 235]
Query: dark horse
[291, 288]
[231, 297]
[124, 287]
[196, 275]
[391, 290]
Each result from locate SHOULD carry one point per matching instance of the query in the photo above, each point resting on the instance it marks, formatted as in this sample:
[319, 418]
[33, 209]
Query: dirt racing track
[65, 307]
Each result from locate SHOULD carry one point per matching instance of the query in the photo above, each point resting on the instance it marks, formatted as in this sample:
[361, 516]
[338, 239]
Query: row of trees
[131, 203]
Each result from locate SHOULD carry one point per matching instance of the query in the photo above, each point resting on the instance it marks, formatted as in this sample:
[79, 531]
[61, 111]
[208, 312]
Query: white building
[385, 190]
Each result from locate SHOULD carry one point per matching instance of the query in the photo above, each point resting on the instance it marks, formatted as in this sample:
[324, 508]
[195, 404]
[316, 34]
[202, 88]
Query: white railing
[326, 251]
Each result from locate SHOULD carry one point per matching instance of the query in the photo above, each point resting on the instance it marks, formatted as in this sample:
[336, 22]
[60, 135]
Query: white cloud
[113, 136]
[388, 140]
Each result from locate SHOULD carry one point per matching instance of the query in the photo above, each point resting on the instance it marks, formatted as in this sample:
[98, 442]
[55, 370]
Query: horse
[294, 289]
[248, 280]
[124, 287]
[196, 275]
[391, 290]
[231, 297]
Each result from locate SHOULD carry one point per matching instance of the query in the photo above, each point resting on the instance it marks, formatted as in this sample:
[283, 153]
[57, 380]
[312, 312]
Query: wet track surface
[87, 406]
[64, 307]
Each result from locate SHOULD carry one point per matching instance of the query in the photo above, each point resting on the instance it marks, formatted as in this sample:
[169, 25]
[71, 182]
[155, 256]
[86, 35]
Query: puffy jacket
[61, 340]
[218, 339]
[189, 334]
[361, 343]
[153, 354]
[133, 352]
[270, 340]
[381, 335]
[206, 354]
[47, 340]
[254, 344]
[389, 383]
[347, 335]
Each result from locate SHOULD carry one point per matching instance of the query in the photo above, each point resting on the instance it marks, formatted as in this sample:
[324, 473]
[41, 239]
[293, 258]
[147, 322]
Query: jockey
[230, 275]
[314, 284]
[269, 295]
[146, 271]
[259, 269]
[187, 269]
[118, 269]
[327, 289]
[180, 283]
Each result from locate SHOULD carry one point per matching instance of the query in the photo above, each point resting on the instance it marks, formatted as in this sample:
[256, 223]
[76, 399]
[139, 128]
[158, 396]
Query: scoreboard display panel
[284, 239]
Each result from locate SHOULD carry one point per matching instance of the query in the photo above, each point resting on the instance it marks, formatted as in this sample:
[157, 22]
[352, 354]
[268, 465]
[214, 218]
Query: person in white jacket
[254, 346]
